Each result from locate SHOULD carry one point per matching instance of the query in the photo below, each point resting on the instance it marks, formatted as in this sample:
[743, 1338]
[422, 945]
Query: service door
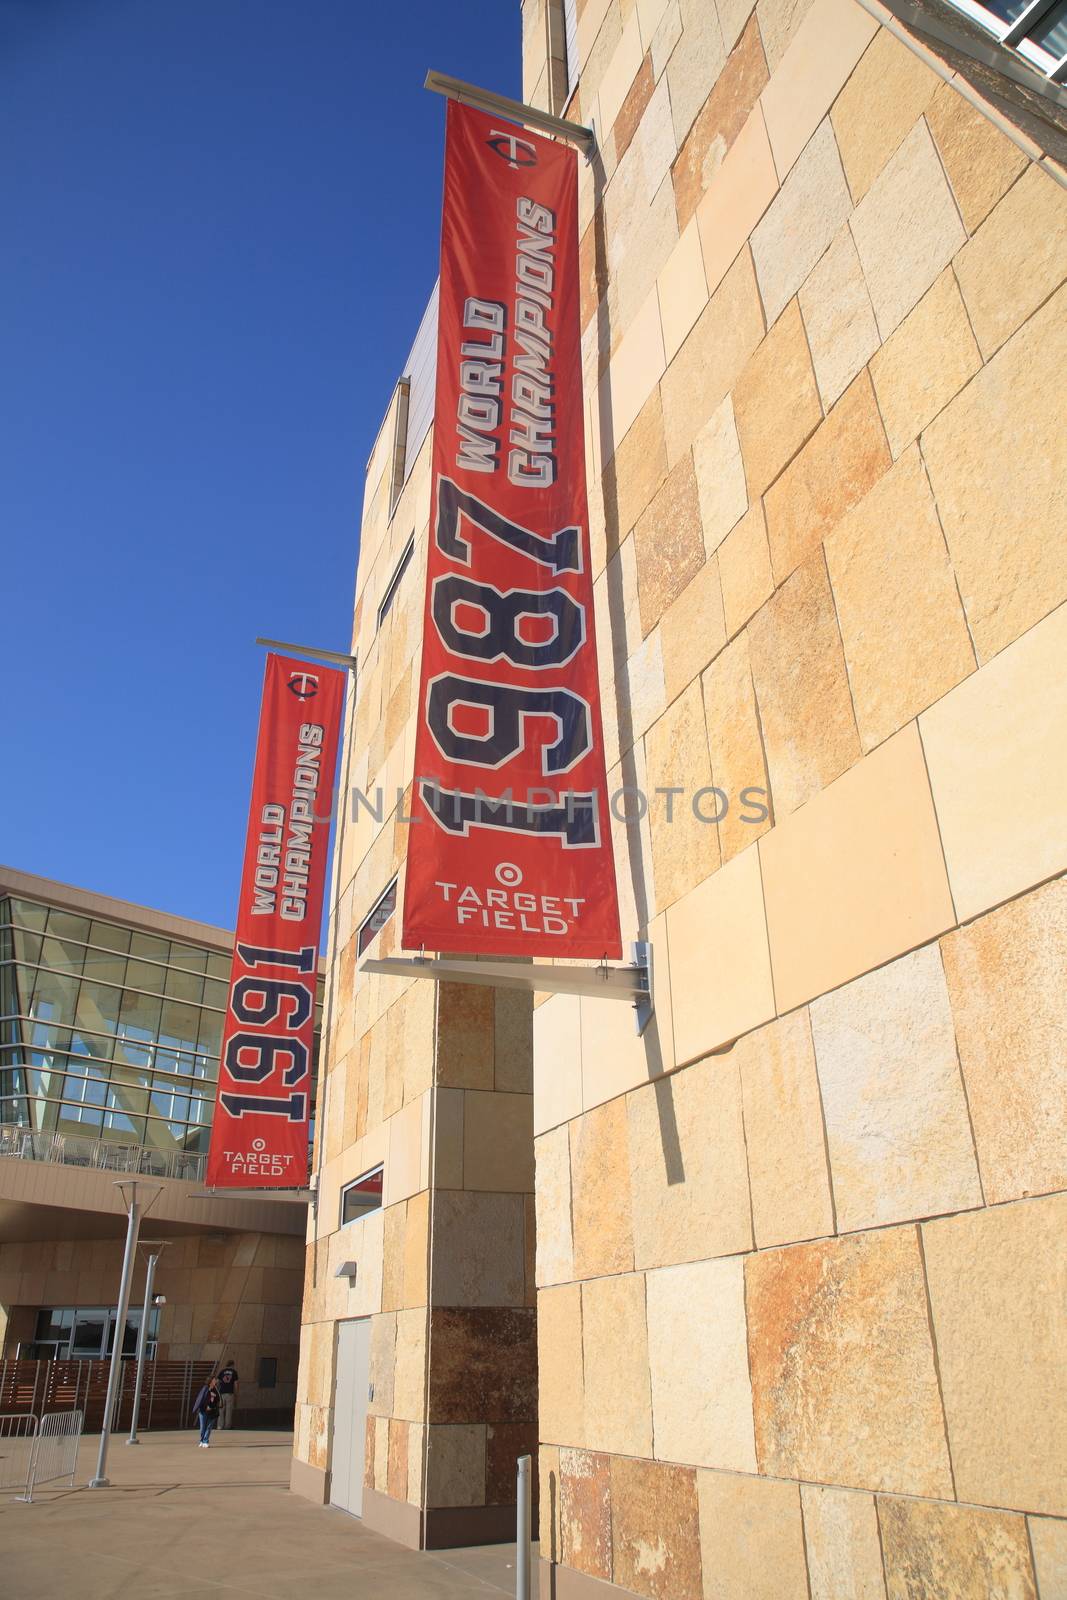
[350, 1415]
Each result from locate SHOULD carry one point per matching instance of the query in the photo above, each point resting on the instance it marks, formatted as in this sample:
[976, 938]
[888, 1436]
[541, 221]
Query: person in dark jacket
[208, 1413]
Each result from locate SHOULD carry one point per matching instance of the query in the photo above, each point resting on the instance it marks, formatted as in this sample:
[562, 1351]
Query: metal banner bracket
[632, 984]
[468, 94]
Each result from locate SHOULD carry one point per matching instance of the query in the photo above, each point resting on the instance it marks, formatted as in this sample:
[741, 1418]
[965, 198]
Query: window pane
[28, 914]
[216, 993]
[81, 1120]
[210, 1032]
[378, 918]
[121, 1129]
[45, 1081]
[139, 1017]
[142, 975]
[178, 1025]
[105, 965]
[145, 944]
[1051, 32]
[185, 985]
[362, 1196]
[218, 966]
[170, 1105]
[112, 937]
[124, 1098]
[62, 954]
[1006, 10]
[54, 997]
[27, 946]
[184, 955]
[65, 925]
[98, 1011]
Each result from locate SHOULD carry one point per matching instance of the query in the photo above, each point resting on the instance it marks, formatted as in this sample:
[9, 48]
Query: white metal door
[350, 1415]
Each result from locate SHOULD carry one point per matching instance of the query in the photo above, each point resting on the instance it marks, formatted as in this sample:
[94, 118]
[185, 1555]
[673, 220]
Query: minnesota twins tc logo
[304, 685]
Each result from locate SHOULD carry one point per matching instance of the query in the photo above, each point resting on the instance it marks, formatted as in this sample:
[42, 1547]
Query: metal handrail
[72, 1150]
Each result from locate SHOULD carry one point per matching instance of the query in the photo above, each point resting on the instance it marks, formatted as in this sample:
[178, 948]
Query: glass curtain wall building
[108, 1033]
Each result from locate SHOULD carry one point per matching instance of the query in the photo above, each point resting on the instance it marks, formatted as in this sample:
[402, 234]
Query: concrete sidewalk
[180, 1521]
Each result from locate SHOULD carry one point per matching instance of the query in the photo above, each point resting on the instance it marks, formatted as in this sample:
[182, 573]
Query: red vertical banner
[510, 848]
[259, 1137]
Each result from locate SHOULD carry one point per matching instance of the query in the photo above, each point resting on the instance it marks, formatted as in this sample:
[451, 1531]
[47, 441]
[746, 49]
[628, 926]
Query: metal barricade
[56, 1454]
[18, 1443]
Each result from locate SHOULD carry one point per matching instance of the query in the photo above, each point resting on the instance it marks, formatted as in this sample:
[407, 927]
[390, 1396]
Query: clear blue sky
[220, 227]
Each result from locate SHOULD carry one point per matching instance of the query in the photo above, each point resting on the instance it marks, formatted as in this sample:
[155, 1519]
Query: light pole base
[100, 1483]
[133, 1441]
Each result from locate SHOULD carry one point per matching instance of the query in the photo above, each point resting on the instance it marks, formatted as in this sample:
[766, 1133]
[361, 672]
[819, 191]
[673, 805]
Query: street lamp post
[142, 1337]
[135, 1212]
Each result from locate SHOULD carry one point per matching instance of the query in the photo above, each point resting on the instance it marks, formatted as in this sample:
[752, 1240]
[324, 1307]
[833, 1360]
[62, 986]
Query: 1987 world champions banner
[259, 1136]
[512, 849]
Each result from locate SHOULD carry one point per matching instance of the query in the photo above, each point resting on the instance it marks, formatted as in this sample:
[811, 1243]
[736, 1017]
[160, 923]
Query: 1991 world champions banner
[259, 1136]
[512, 852]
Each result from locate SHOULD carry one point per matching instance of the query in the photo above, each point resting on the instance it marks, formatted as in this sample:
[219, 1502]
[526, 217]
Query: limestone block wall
[228, 1295]
[801, 1251]
[436, 1085]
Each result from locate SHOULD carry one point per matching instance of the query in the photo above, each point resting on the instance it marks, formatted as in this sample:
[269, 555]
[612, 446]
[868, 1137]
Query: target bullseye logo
[259, 1144]
[509, 875]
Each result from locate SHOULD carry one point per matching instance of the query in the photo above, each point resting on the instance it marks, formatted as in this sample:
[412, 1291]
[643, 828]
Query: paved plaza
[179, 1521]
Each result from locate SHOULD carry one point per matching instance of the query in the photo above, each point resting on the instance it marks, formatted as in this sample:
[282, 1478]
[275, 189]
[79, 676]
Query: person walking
[229, 1379]
[208, 1412]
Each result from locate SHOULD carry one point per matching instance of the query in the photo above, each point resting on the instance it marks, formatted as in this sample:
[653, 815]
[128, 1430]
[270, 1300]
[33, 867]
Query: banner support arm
[632, 984]
[319, 655]
[468, 94]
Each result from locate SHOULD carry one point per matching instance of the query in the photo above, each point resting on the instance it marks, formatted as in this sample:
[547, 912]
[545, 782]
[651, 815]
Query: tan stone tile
[751, 1538]
[924, 363]
[1005, 984]
[702, 1406]
[733, 15]
[778, 24]
[838, 317]
[465, 1036]
[896, 1117]
[1015, 260]
[669, 543]
[784, 1133]
[714, 1006]
[902, 625]
[633, 107]
[416, 1244]
[953, 1552]
[455, 1465]
[642, 696]
[635, 474]
[688, 1182]
[736, 745]
[654, 238]
[745, 569]
[889, 90]
[693, 629]
[631, 375]
[685, 846]
[498, 1142]
[776, 401]
[409, 1379]
[804, 217]
[1019, 704]
[719, 122]
[618, 1398]
[798, 668]
[720, 475]
[906, 229]
[683, 290]
[555, 1242]
[560, 1382]
[856, 877]
[841, 1536]
[1048, 1540]
[549, 1489]
[999, 1333]
[828, 43]
[696, 61]
[622, 68]
[844, 457]
[654, 1530]
[706, 367]
[585, 1512]
[600, 1179]
[667, 34]
[650, 13]
[737, 195]
[838, 1332]
[557, 1061]
[980, 161]
[477, 1249]
[1006, 532]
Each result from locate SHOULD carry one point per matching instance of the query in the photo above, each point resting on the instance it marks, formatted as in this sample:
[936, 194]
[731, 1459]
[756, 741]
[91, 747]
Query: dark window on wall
[358, 1199]
[394, 582]
[377, 919]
